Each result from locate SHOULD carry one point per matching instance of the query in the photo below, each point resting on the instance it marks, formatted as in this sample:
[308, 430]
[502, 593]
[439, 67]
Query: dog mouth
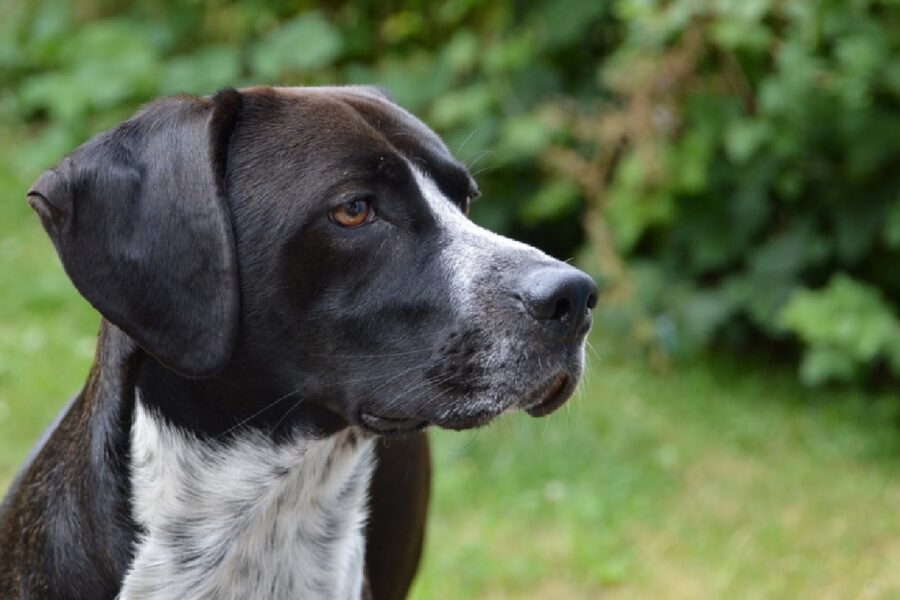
[554, 395]
[388, 425]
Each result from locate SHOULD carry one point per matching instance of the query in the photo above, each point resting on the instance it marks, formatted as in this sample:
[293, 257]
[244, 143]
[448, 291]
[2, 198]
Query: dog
[291, 292]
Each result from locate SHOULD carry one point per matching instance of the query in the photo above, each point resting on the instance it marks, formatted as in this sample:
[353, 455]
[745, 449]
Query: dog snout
[560, 294]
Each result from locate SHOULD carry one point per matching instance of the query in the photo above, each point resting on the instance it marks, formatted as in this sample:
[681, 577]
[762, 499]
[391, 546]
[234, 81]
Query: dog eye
[353, 213]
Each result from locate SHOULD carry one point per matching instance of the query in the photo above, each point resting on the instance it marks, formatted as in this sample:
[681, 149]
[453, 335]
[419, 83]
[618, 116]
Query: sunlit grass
[46, 329]
[715, 481]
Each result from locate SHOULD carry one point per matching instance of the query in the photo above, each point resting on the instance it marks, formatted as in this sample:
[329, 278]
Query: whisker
[432, 400]
[385, 382]
[432, 381]
[472, 439]
[393, 379]
[466, 141]
[592, 349]
[478, 157]
[256, 414]
[482, 170]
[286, 414]
[385, 355]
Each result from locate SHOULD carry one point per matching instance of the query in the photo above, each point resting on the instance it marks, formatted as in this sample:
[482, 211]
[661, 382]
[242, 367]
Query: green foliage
[847, 326]
[277, 54]
[718, 156]
[760, 158]
[478, 72]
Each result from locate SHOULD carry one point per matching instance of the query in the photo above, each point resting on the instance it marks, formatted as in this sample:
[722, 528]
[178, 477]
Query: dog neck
[245, 516]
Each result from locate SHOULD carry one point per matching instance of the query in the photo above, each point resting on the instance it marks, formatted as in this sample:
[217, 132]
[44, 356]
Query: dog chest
[245, 517]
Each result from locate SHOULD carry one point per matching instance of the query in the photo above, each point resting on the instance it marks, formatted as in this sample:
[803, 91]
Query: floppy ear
[141, 224]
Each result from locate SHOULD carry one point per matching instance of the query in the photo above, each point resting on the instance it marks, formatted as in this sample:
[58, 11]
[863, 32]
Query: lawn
[719, 479]
[715, 481]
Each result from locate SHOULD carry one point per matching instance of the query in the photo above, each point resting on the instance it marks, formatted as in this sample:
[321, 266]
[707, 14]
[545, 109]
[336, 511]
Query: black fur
[66, 529]
[142, 196]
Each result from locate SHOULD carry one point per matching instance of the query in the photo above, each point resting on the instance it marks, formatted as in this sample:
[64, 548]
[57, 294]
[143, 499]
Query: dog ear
[140, 220]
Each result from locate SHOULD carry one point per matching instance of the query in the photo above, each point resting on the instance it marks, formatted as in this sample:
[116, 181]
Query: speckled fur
[248, 518]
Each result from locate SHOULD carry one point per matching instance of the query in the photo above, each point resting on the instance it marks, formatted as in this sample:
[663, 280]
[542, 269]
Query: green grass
[46, 329]
[718, 480]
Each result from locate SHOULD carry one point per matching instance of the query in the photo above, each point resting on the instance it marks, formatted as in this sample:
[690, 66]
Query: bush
[747, 173]
[732, 164]
[477, 72]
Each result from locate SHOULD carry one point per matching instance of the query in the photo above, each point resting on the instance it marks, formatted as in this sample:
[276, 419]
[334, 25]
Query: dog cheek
[459, 369]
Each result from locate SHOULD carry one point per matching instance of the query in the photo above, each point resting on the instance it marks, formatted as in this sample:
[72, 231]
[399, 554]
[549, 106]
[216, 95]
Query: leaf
[741, 34]
[846, 319]
[744, 138]
[821, 365]
[202, 72]
[797, 248]
[565, 21]
[631, 214]
[552, 200]
[466, 106]
[414, 81]
[523, 137]
[300, 45]
[461, 52]
[103, 65]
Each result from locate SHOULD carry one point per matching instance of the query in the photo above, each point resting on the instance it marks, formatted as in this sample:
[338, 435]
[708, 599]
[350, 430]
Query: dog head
[315, 242]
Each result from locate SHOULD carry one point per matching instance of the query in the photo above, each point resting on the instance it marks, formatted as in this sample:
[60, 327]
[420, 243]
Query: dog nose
[562, 294]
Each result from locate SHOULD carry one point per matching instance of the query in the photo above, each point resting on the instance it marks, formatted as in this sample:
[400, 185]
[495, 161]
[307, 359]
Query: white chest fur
[247, 518]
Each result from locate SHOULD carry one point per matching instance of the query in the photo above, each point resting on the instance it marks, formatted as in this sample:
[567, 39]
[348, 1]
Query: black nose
[560, 294]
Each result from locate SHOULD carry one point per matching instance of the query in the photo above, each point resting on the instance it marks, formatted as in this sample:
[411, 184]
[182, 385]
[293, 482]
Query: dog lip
[385, 425]
[554, 396]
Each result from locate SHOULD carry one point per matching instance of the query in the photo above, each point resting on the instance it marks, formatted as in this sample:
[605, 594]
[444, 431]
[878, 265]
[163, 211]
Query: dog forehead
[353, 129]
[353, 114]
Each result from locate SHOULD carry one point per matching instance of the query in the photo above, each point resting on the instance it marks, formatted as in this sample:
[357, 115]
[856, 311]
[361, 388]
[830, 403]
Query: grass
[716, 481]
[719, 480]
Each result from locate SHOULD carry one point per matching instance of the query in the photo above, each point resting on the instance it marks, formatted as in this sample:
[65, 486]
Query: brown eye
[351, 214]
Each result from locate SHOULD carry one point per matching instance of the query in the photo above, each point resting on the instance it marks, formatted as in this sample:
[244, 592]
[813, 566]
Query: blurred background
[729, 170]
